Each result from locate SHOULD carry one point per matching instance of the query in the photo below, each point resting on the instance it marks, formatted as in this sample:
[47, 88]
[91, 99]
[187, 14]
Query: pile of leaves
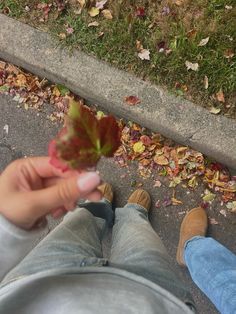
[155, 155]
[31, 92]
[181, 164]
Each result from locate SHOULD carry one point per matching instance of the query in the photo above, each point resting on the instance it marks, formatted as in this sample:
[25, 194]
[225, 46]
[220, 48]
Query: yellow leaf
[215, 110]
[193, 182]
[21, 80]
[56, 92]
[107, 14]
[139, 147]
[93, 12]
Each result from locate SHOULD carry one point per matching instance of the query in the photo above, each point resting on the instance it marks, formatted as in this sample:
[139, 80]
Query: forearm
[15, 244]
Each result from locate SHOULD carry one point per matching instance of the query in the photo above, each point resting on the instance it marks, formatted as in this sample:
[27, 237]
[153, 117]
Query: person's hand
[31, 188]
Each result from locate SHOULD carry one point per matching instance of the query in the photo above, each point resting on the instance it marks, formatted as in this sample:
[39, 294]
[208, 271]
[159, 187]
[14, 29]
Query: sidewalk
[29, 133]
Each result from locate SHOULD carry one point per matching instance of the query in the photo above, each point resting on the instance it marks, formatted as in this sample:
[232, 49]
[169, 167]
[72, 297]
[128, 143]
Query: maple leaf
[84, 139]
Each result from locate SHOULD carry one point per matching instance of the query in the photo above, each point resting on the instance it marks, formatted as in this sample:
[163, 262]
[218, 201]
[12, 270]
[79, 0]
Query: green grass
[209, 18]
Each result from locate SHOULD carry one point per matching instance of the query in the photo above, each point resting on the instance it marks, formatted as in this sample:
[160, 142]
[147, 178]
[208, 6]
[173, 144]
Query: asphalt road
[27, 133]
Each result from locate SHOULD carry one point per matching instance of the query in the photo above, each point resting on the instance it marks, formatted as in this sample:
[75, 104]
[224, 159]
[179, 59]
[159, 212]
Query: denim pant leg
[76, 241]
[137, 248]
[213, 269]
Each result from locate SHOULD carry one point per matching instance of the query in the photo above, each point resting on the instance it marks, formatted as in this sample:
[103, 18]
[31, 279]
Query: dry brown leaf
[161, 160]
[93, 24]
[203, 42]
[220, 96]
[206, 82]
[176, 202]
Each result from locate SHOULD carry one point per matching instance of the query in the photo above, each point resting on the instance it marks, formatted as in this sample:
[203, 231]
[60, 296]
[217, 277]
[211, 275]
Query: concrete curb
[102, 84]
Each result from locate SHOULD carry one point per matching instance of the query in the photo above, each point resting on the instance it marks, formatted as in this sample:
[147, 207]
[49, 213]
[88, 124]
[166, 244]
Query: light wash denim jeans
[213, 269]
[76, 242]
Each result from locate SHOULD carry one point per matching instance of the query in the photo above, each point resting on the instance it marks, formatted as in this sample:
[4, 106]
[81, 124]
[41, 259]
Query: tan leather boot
[140, 197]
[194, 224]
[107, 192]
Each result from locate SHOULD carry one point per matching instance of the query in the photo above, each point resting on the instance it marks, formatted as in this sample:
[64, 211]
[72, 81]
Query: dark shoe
[140, 197]
[107, 192]
[194, 224]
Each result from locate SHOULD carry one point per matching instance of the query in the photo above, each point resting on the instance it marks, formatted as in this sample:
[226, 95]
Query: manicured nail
[88, 181]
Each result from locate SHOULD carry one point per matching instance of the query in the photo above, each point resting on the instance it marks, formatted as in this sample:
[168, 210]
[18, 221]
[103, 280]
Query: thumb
[64, 192]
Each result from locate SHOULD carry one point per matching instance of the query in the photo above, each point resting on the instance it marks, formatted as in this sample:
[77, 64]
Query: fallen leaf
[21, 80]
[100, 34]
[220, 96]
[161, 160]
[208, 197]
[229, 53]
[144, 54]
[139, 46]
[203, 42]
[82, 3]
[191, 66]
[146, 140]
[192, 33]
[228, 7]
[231, 206]
[158, 204]
[107, 14]
[56, 92]
[62, 35]
[94, 12]
[179, 2]
[192, 183]
[223, 212]
[140, 12]
[93, 24]
[215, 110]
[132, 100]
[206, 82]
[176, 202]
[213, 221]
[100, 4]
[139, 147]
[157, 184]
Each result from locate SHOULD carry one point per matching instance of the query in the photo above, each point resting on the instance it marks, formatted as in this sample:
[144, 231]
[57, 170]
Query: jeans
[76, 242]
[213, 269]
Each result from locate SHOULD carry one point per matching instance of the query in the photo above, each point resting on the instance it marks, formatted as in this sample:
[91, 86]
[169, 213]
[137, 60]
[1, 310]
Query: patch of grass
[13, 8]
[177, 26]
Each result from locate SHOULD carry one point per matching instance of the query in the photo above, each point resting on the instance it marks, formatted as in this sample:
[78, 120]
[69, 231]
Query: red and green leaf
[84, 139]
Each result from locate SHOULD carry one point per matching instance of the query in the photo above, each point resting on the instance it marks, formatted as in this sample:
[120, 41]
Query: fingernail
[88, 181]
